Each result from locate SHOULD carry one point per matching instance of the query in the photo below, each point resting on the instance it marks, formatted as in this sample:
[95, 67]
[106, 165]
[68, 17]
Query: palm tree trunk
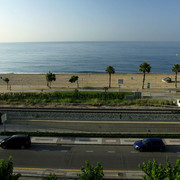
[176, 80]
[48, 85]
[77, 84]
[109, 80]
[143, 81]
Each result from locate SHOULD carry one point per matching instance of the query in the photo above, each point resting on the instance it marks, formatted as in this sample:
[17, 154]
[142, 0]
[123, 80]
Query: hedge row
[64, 95]
[110, 135]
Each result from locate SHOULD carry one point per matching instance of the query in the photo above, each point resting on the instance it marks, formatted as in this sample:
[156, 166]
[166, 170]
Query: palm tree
[7, 81]
[144, 67]
[74, 79]
[176, 69]
[49, 78]
[110, 70]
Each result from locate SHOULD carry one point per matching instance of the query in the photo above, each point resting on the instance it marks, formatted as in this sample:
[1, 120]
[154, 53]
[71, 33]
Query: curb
[72, 173]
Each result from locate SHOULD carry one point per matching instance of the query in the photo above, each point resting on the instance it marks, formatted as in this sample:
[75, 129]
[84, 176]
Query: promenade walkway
[95, 141]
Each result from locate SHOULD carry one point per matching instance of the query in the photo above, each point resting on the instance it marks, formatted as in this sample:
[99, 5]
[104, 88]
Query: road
[74, 156]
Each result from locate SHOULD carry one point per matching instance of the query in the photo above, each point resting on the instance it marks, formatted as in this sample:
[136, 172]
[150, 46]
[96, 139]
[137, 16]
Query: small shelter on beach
[166, 79]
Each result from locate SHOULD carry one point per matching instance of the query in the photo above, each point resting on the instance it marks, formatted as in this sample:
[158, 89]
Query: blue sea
[87, 57]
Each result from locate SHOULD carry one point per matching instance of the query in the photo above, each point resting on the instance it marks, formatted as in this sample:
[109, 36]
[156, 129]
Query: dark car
[150, 144]
[16, 141]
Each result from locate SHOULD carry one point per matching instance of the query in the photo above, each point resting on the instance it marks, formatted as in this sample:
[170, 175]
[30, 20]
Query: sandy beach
[130, 81]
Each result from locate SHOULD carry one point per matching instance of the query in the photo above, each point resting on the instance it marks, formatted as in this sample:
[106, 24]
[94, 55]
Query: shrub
[154, 171]
[54, 177]
[91, 172]
[6, 170]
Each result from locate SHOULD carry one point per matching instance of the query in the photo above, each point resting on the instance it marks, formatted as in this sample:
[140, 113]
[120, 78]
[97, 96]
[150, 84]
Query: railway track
[93, 120]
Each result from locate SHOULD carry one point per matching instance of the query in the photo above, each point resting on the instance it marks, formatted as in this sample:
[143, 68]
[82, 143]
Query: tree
[6, 170]
[74, 79]
[110, 70]
[91, 172]
[49, 78]
[176, 69]
[154, 171]
[144, 67]
[54, 177]
[7, 81]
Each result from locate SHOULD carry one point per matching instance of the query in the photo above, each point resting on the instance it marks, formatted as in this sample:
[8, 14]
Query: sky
[89, 20]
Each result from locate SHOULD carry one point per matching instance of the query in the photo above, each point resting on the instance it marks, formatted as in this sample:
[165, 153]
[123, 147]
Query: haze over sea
[87, 57]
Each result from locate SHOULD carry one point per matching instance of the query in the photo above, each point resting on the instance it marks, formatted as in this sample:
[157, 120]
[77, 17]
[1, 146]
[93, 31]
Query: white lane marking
[64, 151]
[111, 151]
[89, 151]
[45, 150]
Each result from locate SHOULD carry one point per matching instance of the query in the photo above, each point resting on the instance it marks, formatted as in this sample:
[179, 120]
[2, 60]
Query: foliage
[176, 69]
[7, 81]
[49, 78]
[53, 97]
[149, 102]
[6, 170]
[144, 67]
[53, 177]
[110, 70]
[91, 172]
[154, 171]
[74, 79]
[85, 97]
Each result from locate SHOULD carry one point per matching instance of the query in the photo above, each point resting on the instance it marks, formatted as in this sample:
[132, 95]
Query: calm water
[87, 57]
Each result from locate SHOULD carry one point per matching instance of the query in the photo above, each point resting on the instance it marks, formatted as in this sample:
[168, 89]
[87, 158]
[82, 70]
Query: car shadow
[172, 149]
[168, 149]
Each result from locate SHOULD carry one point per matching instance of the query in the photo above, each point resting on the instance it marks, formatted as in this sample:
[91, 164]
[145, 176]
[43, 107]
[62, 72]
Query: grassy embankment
[77, 97]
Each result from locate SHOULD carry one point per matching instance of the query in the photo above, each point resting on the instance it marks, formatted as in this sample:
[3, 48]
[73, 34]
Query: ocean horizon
[87, 57]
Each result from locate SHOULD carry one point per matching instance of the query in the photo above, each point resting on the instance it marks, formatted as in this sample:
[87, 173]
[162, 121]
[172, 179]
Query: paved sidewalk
[108, 174]
[93, 141]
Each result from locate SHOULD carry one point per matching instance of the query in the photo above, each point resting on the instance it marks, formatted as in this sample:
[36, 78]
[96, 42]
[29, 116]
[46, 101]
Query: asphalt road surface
[73, 157]
[84, 127]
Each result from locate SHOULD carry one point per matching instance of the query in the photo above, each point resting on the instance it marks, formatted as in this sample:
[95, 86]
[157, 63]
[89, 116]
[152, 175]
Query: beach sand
[130, 81]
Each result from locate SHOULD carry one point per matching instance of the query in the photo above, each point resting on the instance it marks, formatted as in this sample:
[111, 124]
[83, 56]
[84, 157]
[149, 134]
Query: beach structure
[166, 79]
